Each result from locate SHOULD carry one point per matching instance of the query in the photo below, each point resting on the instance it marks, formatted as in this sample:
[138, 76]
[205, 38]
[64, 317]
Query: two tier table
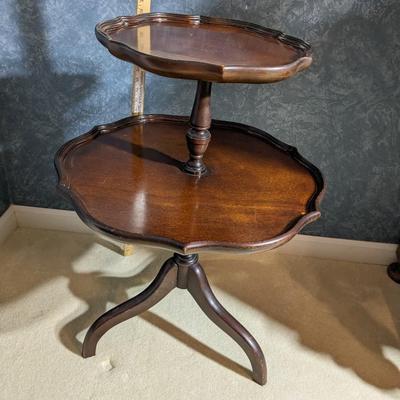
[153, 179]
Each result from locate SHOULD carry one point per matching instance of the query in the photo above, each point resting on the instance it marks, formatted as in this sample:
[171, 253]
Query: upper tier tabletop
[125, 180]
[204, 48]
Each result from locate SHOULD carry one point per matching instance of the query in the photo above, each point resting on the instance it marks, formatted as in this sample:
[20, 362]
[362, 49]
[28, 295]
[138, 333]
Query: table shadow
[338, 309]
[97, 290]
[330, 304]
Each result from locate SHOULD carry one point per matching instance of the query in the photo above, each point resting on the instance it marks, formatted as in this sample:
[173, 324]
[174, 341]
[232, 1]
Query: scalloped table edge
[171, 244]
[196, 70]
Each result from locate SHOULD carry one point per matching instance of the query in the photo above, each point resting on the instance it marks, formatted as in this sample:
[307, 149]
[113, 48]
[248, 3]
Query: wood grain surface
[125, 180]
[204, 48]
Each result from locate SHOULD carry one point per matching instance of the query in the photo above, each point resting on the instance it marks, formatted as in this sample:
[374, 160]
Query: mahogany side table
[139, 180]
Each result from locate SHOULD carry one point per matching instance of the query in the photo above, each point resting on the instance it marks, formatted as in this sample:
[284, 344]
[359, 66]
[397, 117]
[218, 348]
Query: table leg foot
[163, 283]
[393, 271]
[185, 272]
[198, 286]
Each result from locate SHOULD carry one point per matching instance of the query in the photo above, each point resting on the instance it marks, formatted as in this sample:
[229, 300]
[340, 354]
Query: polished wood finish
[163, 283]
[198, 136]
[125, 180]
[184, 272]
[134, 181]
[198, 286]
[204, 48]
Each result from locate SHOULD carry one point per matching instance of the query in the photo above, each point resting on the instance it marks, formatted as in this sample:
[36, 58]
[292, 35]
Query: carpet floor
[329, 330]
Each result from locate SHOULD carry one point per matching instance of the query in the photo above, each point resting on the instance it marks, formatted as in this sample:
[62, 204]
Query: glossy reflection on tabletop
[204, 48]
[207, 43]
[132, 181]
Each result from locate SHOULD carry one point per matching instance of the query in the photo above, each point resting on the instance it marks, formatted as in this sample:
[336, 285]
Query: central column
[198, 136]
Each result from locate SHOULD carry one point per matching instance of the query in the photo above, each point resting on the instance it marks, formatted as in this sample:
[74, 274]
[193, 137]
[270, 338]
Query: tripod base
[184, 272]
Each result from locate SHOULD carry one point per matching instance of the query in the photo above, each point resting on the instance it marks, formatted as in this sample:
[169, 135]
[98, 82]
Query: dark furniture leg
[393, 269]
[163, 283]
[198, 286]
[184, 272]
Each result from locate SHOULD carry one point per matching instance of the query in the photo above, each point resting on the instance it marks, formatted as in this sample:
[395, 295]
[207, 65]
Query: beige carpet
[329, 330]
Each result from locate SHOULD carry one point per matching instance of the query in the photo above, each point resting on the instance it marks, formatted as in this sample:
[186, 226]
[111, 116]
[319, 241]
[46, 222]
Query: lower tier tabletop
[125, 180]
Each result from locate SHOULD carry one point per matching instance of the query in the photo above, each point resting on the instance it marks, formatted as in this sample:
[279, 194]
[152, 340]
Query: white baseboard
[49, 218]
[341, 249]
[8, 223]
[301, 245]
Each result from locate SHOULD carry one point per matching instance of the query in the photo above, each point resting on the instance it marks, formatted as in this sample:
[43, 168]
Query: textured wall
[56, 82]
[342, 114]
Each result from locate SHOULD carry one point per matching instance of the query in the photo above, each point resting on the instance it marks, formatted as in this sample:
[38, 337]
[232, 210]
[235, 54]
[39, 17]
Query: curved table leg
[163, 283]
[199, 288]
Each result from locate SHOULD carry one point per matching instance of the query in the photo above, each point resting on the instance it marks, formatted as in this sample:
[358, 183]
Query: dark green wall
[342, 114]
